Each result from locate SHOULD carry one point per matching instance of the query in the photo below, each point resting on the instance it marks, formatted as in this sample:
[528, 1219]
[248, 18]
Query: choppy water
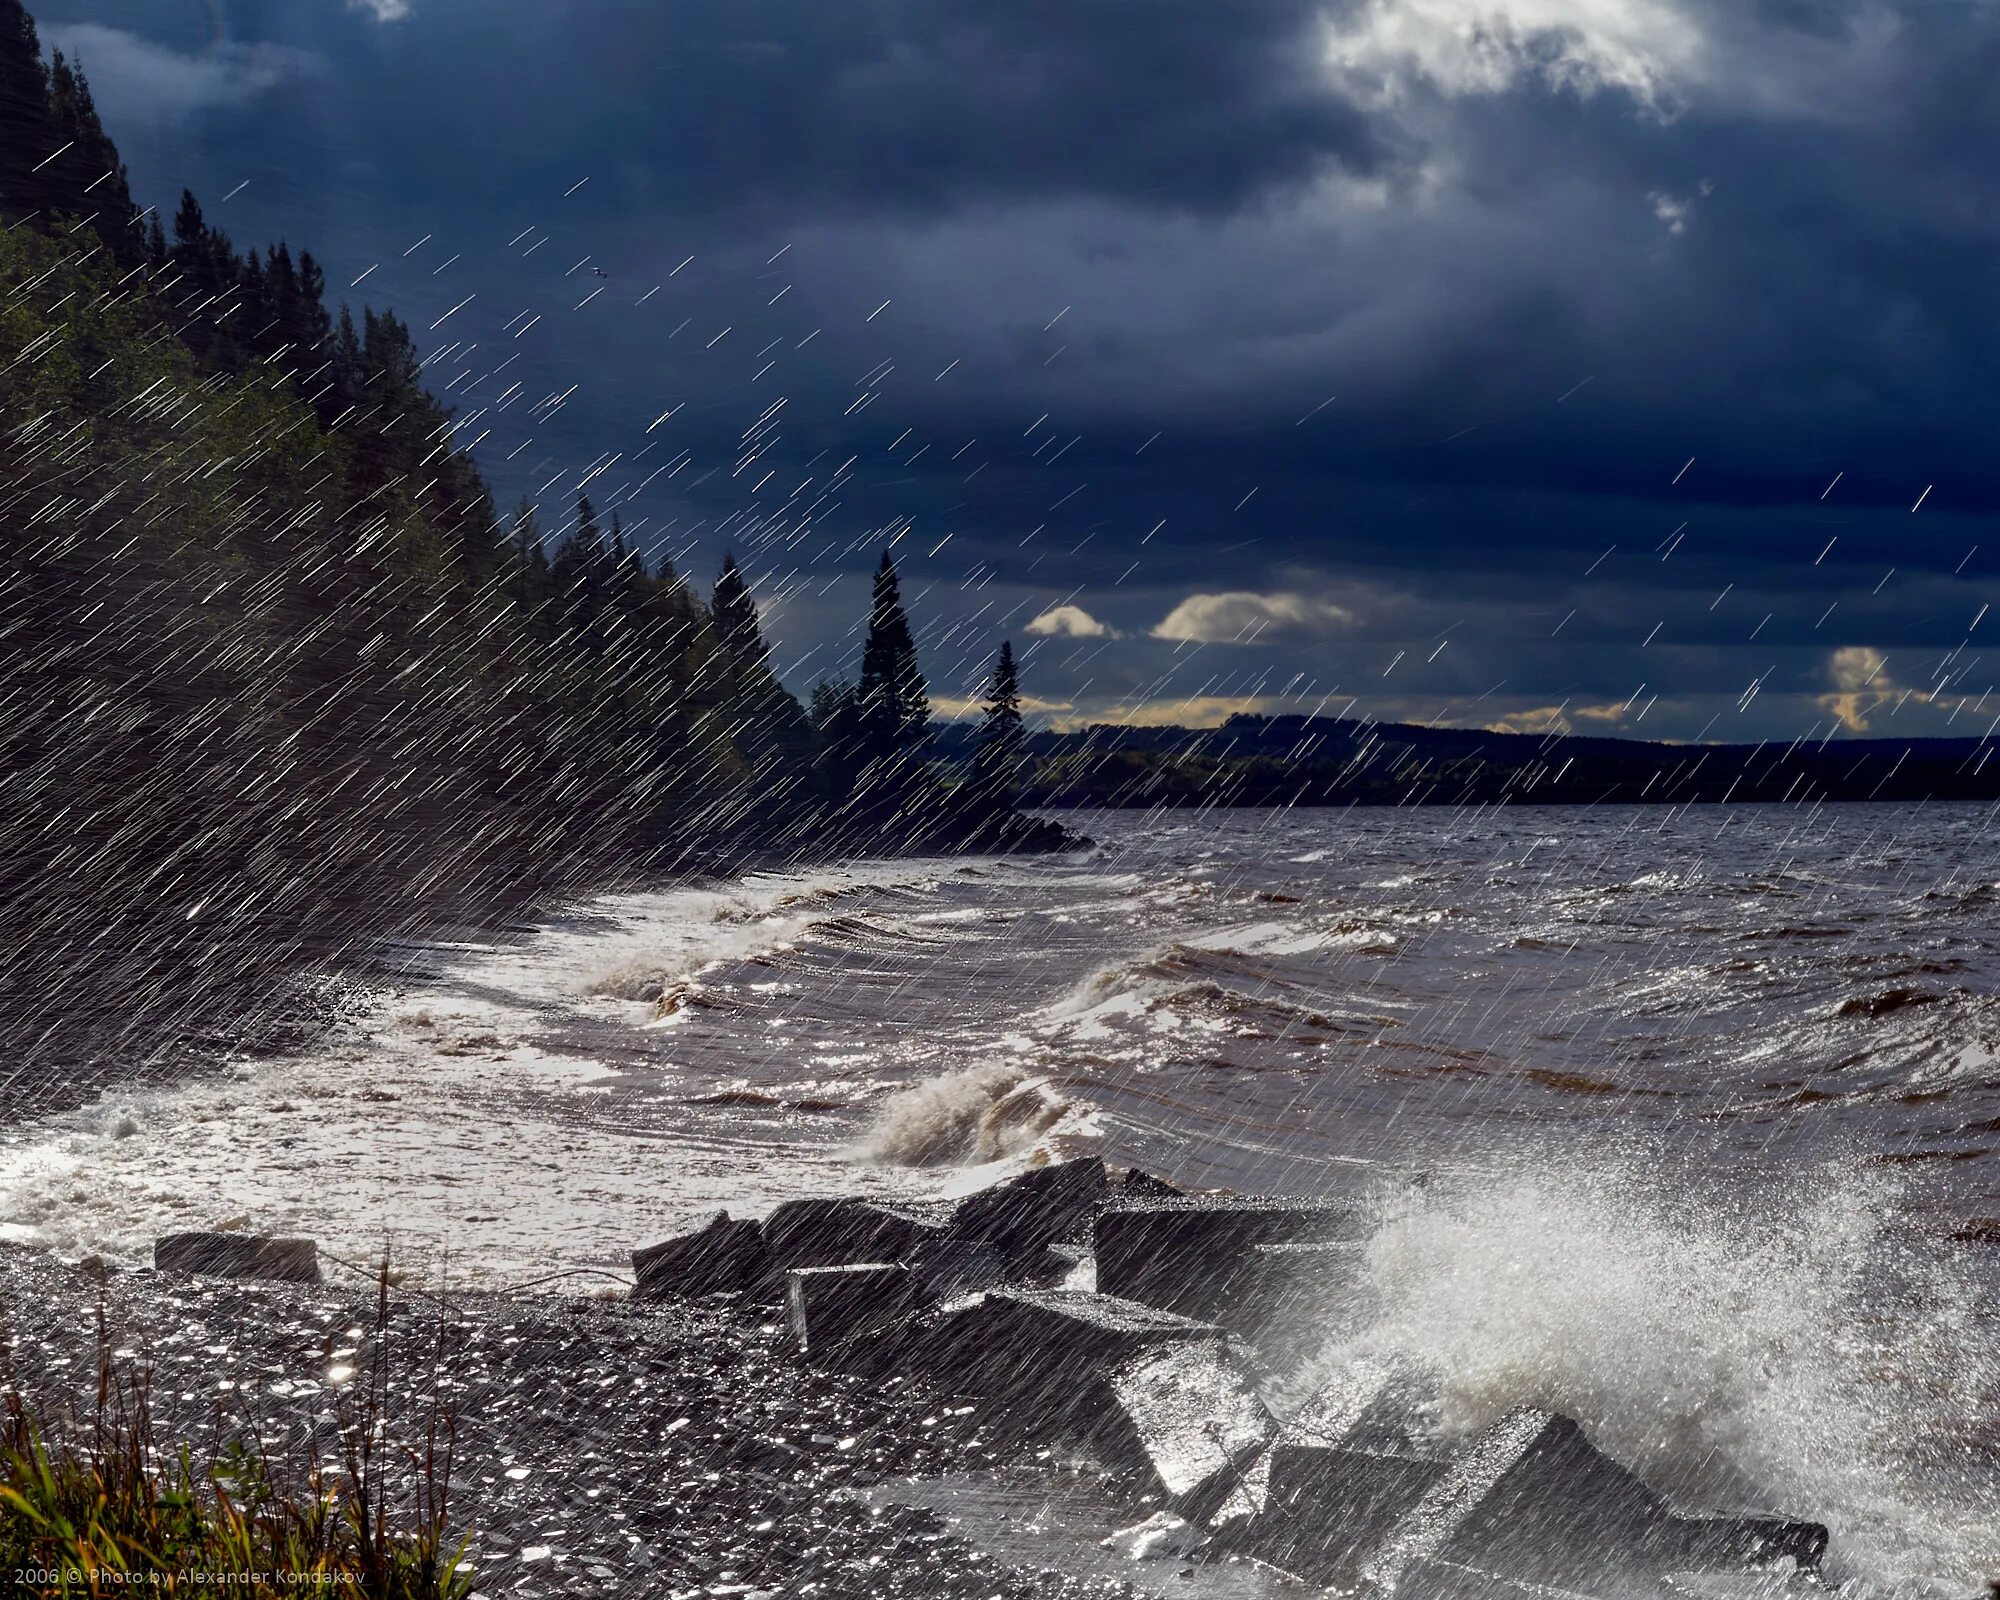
[1711, 1100]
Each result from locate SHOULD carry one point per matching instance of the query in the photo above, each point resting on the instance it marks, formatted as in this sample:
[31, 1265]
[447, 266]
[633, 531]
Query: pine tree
[86, 179]
[735, 614]
[891, 700]
[1001, 753]
[25, 132]
[578, 574]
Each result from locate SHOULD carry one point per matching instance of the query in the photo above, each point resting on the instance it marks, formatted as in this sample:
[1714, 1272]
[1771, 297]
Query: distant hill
[1295, 760]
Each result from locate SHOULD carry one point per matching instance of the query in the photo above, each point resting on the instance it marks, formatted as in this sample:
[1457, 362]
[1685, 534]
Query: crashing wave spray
[982, 1114]
[1803, 1355]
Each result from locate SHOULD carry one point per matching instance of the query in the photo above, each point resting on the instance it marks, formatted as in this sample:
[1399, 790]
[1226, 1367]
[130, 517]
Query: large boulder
[1046, 1205]
[1183, 1422]
[830, 1308]
[1382, 1506]
[1155, 1397]
[724, 1256]
[844, 1232]
[238, 1255]
[1193, 1254]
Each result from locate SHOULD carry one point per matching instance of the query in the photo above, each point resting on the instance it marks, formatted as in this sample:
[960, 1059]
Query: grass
[102, 1510]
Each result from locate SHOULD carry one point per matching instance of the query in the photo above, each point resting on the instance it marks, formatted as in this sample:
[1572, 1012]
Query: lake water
[1708, 1100]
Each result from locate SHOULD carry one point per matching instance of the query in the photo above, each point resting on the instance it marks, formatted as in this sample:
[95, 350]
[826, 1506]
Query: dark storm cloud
[1643, 274]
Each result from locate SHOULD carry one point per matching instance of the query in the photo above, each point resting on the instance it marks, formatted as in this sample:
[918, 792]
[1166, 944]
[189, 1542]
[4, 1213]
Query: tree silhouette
[892, 702]
[1002, 748]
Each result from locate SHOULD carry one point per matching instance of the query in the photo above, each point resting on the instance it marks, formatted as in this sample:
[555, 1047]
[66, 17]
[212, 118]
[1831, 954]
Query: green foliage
[101, 1510]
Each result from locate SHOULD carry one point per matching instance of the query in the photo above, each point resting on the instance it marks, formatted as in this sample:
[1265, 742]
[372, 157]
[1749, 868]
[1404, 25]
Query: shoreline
[1077, 1382]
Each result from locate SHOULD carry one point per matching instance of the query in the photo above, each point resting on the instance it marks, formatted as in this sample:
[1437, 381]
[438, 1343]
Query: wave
[1794, 1353]
[971, 1117]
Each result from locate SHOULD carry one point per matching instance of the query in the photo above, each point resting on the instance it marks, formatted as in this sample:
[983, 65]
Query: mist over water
[1708, 1101]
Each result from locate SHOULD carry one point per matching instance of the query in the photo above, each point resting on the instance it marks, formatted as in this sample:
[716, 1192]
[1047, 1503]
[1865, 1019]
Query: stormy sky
[1619, 364]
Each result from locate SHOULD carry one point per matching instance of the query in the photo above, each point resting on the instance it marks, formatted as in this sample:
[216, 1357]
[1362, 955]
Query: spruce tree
[891, 700]
[85, 178]
[735, 614]
[578, 574]
[1001, 753]
[25, 133]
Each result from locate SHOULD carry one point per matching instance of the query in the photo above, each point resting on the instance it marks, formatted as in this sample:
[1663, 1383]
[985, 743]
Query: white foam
[981, 1115]
[1719, 1351]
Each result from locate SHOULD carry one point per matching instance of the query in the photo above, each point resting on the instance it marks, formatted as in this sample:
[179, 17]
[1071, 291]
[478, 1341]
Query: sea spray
[1795, 1352]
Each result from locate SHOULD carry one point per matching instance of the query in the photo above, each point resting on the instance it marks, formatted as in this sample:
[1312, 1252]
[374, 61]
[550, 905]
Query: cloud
[1647, 48]
[1069, 622]
[1862, 685]
[954, 709]
[1237, 616]
[135, 80]
[382, 10]
[1557, 719]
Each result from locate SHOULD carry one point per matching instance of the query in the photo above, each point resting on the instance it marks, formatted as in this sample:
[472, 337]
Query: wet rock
[1530, 1501]
[950, 1269]
[1193, 1254]
[1182, 1420]
[238, 1255]
[1042, 1354]
[848, 1232]
[1723, 1543]
[1353, 1459]
[1045, 1206]
[828, 1308]
[723, 1257]
[1285, 1294]
[1155, 1397]
[1136, 1184]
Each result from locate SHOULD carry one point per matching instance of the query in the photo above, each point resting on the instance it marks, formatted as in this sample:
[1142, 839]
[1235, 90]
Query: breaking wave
[1799, 1356]
[971, 1117]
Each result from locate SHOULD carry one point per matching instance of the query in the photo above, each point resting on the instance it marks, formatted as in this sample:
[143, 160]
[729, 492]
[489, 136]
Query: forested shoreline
[279, 678]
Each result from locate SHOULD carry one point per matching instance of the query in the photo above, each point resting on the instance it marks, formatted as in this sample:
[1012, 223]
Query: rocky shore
[1077, 1383]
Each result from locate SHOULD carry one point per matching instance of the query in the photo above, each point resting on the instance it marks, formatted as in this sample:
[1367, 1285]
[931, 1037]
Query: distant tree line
[277, 677]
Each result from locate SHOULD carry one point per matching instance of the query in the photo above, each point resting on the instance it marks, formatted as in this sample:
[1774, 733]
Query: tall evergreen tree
[735, 614]
[578, 573]
[891, 700]
[86, 178]
[25, 132]
[1001, 753]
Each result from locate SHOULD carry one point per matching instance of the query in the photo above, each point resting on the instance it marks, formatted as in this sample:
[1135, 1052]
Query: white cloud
[136, 80]
[1651, 49]
[1557, 719]
[1862, 685]
[1239, 617]
[382, 10]
[1069, 622]
[1673, 211]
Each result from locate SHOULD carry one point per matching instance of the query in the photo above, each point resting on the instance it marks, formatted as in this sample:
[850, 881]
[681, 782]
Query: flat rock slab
[1193, 1254]
[844, 1232]
[722, 1257]
[1182, 1419]
[1288, 1296]
[1044, 1357]
[1532, 1500]
[238, 1255]
[954, 1269]
[1047, 1205]
[829, 1308]
[1344, 1468]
